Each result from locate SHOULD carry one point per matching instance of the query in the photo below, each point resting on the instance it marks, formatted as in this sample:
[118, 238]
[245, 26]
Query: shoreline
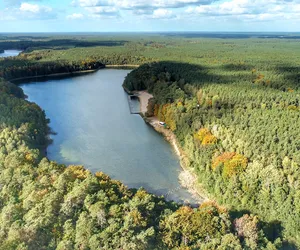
[187, 178]
[120, 66]
[125, 66]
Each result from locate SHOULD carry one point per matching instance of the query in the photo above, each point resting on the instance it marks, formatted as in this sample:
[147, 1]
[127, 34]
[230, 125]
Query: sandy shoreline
[187, 177]
[144, 98]
[120, 66]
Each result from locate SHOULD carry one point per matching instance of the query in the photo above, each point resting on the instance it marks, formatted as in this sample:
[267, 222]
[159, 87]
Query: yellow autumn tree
[231, 163]
[170, 118]
[78, 172]
[205, 137]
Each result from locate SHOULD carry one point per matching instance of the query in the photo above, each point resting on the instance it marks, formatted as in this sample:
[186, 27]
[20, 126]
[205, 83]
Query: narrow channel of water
[94, 127]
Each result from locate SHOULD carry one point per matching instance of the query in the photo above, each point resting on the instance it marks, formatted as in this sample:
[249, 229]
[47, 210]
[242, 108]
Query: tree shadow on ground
[170, 71]
[291, 74]
[237, 67]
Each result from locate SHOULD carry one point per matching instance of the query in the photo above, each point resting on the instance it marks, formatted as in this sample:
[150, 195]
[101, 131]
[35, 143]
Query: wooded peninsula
[233, 105]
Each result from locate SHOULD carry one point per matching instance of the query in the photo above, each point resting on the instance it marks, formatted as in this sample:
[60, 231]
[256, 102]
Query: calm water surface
[94, 127]
[8, 53]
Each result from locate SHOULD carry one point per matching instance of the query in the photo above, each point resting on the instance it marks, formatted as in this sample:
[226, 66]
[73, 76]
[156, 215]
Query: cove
[91, 116]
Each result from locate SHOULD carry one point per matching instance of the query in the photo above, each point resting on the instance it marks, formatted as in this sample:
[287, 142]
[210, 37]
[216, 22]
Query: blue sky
[149, 15]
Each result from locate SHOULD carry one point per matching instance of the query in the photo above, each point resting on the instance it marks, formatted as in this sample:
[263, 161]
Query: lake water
[8, 53]
[94, 127]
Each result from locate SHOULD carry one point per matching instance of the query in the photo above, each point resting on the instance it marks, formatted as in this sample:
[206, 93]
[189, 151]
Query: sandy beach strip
[144, 97]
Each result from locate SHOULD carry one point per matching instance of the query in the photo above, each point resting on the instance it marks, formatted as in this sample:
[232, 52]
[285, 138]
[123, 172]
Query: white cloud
[75, 16]
[34, 8]
[162, 14]
[144, 8]
[91, 3]
[263, 10]
[140, 4]
[35, 11]
[103, 11]
[155, 4]
[141, 12]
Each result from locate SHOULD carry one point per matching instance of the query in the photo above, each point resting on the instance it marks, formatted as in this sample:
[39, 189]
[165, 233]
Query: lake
[91, 116]
[8, 53]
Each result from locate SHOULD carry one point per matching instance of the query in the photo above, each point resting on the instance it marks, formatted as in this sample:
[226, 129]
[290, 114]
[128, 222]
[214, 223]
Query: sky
[149, 15]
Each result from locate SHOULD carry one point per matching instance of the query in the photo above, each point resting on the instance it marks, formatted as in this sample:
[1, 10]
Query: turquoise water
[94, 127]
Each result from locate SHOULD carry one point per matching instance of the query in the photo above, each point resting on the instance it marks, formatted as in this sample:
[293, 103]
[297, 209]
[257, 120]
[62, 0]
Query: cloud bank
[190, 12]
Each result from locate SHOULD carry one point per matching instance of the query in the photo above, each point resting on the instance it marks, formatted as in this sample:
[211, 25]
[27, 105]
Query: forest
[233, 105]
[241, 135]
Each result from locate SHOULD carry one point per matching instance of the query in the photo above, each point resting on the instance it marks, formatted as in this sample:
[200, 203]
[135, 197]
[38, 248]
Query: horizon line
[57, 32]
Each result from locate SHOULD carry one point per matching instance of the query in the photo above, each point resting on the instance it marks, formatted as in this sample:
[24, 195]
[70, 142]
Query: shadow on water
[49, 78]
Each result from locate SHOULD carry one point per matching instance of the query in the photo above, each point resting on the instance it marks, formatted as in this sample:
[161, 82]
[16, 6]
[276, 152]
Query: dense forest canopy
[233, 105]
[241, 134]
